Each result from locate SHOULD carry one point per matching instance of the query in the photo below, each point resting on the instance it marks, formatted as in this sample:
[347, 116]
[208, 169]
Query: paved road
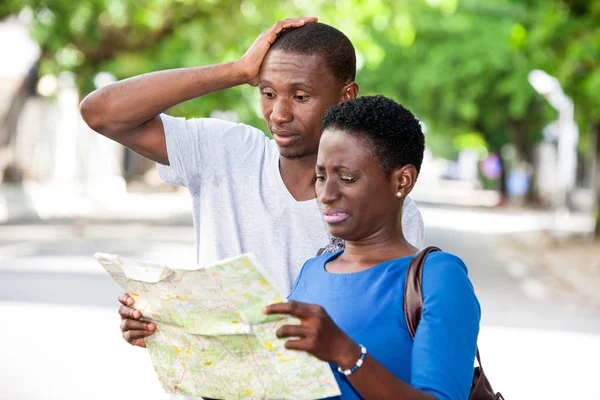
[60, 337]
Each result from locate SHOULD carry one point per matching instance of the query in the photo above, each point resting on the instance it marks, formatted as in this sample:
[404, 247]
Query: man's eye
[302, 98]
[320, 177]
[347, 178]
[269, 95]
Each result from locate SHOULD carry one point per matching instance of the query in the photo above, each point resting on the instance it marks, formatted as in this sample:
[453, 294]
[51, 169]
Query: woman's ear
[350, 91]
[403, 180]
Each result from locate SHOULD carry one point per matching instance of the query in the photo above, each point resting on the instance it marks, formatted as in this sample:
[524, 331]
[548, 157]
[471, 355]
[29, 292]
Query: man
[250, 193]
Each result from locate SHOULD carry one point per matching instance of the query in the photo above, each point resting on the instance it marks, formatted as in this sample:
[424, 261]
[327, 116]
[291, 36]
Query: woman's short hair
[392, 132]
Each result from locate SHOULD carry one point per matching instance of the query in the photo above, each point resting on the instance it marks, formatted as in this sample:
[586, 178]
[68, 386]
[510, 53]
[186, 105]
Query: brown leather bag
[413, 307]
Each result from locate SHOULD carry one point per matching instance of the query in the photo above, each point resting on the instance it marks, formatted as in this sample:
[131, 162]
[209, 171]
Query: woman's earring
[399, 194]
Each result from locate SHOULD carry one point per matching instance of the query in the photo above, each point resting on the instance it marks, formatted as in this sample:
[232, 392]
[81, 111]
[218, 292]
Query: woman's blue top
[368, 306]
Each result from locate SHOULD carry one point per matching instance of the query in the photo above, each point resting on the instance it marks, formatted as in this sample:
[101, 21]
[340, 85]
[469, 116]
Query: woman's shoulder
[445, 271]
[310, 271]
[319, 261]
[444, 260]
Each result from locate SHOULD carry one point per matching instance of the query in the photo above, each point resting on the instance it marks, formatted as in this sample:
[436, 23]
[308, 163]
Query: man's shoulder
[207, 124]
[214, 137]
[410, 207]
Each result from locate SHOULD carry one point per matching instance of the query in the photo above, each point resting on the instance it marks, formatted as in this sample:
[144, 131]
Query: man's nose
[282, 112]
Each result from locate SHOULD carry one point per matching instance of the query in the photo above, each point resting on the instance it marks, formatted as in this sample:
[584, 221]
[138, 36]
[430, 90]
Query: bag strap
[413, 296]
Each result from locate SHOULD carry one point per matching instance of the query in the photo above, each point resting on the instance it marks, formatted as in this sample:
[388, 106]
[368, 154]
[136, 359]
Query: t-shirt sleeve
[412, 224]
[446, 337]
[196, 144]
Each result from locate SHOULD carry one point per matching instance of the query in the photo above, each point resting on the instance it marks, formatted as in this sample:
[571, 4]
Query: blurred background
[508, 95]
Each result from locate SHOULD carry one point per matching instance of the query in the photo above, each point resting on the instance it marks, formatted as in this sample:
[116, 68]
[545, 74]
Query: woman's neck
[365, 253]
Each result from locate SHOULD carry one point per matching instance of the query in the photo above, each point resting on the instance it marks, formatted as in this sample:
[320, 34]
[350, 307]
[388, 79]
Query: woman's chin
[338, 231]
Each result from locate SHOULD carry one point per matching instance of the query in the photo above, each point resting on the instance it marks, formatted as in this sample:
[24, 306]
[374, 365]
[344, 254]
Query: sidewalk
[111, 199]
[35, 202]
[571, 265]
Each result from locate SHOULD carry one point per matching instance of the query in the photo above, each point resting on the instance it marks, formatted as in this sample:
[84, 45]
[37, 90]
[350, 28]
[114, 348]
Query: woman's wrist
[348, 356]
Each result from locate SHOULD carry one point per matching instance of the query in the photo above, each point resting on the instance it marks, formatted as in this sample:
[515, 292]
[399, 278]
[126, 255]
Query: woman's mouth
[333, 217]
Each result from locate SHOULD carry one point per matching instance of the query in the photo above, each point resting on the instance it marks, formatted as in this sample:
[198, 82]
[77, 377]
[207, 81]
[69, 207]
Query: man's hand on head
[251, 61]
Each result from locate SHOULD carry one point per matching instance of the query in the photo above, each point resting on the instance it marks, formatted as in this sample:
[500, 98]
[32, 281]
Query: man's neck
[298, 175]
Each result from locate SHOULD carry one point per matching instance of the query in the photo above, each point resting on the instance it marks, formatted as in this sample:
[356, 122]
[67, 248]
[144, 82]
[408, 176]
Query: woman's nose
[327, 191]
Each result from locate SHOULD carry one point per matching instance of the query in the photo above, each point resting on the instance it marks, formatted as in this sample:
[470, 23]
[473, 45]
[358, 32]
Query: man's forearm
[126, 105]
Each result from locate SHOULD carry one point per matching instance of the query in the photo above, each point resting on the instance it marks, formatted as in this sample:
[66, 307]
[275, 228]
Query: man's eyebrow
[319, 167]
[264, 82]
[302, 84]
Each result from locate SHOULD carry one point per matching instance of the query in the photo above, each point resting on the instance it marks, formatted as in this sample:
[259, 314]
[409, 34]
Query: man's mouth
[284, 138]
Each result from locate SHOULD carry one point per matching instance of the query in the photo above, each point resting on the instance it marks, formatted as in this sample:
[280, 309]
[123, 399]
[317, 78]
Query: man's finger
[292, 23]
[312, 18]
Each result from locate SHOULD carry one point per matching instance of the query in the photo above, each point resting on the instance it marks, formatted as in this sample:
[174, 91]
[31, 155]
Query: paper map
[212, 339]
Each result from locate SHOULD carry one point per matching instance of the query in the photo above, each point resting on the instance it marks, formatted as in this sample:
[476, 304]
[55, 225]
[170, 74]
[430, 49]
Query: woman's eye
[320, 177]
[347, 178]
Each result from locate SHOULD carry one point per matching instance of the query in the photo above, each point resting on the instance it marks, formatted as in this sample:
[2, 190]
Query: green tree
[461, 65]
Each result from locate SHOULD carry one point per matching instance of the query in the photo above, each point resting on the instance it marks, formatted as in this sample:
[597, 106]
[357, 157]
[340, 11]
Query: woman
[350, 303]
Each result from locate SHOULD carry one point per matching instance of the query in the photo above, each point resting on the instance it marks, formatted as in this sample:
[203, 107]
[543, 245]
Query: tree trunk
[8, 129]
[596, 138]
[520, 139]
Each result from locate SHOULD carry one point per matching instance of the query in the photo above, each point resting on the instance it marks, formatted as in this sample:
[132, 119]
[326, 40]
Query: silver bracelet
[359, 362]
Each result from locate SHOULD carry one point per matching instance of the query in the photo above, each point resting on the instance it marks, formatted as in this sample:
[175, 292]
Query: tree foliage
[461, 65]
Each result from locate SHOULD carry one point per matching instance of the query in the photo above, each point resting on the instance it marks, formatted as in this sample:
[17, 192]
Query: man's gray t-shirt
[240, 203]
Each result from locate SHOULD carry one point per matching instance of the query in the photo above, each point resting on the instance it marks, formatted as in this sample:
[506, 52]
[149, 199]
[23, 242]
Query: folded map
[212, 339]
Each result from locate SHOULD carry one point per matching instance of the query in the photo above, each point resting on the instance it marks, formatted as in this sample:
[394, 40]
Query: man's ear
[350, 91]
[403, 180]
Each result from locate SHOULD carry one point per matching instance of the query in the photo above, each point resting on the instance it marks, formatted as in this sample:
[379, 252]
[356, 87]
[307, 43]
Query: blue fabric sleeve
[446, 338]
[315, 262]
[298, 279]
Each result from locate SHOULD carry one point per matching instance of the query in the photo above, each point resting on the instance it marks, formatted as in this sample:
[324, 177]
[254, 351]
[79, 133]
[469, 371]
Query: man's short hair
[324, 40]
[391, 131]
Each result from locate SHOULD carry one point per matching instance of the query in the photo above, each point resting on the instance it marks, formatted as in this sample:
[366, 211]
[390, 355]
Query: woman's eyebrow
[336, 167]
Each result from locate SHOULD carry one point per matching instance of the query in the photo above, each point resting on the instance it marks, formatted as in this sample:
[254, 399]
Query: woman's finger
[129, 324]
[132, 336]
[126, 299]
[298, 331]
[299, 344]
[294, 308]
[128, 312]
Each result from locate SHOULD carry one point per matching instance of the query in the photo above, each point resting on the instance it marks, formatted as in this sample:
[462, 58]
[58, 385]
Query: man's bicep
[148, 140]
